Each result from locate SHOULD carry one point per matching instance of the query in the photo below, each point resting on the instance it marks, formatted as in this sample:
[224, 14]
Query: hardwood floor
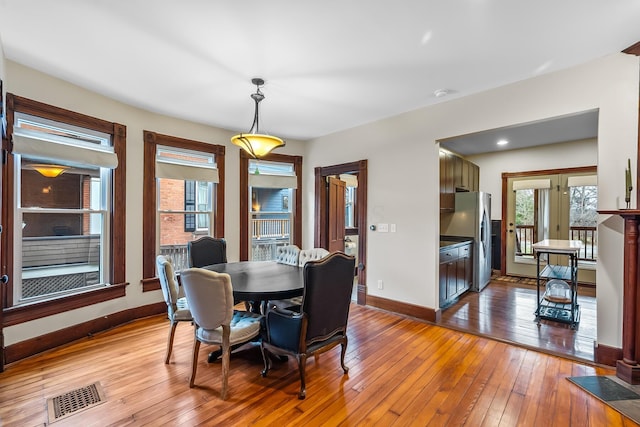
[402, 372]
[505, 311]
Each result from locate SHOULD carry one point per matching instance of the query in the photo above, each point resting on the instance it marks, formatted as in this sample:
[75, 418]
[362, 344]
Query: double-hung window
[185, 190]
[62, 208]
[272, 190]
[183, 198]
[270, 204]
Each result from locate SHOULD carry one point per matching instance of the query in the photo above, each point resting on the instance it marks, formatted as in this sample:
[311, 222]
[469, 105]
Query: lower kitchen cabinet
[456, 271]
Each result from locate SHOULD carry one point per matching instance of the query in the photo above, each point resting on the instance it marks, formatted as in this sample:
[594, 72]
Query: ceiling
[329, 65]
[575, 127]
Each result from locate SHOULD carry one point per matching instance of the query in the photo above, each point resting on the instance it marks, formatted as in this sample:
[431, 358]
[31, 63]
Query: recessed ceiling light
[503, 142]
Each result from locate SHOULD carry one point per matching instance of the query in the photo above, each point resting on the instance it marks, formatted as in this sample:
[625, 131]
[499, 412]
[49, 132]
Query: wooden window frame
[149, 199]
[116, 266]
[244, 198]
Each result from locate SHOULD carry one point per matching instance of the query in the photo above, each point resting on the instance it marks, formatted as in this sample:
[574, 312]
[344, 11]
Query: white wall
[403, 175]
[31, 84]
[404, 178]
[555, 156]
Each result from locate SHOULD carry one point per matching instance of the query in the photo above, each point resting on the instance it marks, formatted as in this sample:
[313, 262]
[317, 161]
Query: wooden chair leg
[172, 332]
[342, 353]
[226, 355]
[194, 361]
[302, 364]
[265, 360]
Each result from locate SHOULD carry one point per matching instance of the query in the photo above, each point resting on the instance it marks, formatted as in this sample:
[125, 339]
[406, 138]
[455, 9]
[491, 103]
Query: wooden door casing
[358, 168]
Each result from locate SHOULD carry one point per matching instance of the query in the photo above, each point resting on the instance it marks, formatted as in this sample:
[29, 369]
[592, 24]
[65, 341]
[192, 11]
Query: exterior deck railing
[588, 236]
[267, 235]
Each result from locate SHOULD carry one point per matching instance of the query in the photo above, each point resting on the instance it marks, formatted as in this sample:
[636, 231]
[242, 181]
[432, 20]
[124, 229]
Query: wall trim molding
[606, 355]
[30, 347]
[417, 311]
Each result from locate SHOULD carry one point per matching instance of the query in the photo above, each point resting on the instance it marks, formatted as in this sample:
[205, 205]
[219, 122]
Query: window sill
[152, 284]
[28, 312]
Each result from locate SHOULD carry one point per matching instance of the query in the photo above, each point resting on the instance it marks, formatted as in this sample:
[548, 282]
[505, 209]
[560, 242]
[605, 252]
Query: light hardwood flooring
[402, 372]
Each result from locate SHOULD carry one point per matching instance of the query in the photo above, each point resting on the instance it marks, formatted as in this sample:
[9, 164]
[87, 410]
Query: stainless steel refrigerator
[472, 218]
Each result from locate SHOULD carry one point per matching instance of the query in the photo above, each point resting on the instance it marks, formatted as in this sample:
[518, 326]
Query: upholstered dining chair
[305, 256]
[205, 251]
[312, 254]
[177, 307]
[288, 254]
[210, 297]
[322, 322]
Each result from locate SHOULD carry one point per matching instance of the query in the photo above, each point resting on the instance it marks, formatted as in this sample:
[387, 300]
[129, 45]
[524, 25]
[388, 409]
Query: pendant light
[257, 145]
[49, 171]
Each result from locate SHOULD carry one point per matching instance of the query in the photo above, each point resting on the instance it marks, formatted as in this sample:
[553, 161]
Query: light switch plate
[383, 228]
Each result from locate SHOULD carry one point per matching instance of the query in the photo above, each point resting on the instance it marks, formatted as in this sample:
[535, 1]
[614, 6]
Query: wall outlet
[392, 228]
[380, 284]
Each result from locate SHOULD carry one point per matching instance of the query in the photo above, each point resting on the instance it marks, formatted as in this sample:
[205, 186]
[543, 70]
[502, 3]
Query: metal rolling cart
[554, 305]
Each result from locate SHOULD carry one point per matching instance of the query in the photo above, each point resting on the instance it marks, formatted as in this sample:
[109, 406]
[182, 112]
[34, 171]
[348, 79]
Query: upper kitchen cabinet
[456, 174]
[447, 187]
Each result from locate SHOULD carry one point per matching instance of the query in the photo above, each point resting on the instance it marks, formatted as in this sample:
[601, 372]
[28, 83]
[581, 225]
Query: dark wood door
[337, 190]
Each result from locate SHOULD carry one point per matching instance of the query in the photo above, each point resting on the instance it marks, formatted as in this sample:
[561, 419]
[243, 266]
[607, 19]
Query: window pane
[349, 207]
[270, 216]
[61, 224]
[525, 214]
[185, 212]
[74, 188]
[583, 219]
[59, 253]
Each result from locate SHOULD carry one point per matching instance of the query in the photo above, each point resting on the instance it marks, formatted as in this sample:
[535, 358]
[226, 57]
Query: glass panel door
[561, 206]
[530, 218]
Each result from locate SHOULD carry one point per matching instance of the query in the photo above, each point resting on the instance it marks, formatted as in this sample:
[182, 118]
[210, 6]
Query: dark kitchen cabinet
[456, 174]
[456, 272]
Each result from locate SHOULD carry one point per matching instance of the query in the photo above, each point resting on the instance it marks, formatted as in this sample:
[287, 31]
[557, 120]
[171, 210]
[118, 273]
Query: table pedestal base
[628, 373]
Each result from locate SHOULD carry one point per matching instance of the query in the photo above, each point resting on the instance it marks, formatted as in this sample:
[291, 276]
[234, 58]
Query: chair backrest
[168, 282]
[206, 250]
[313, 254]
[210, 297]
[328, 284]
[288, 254]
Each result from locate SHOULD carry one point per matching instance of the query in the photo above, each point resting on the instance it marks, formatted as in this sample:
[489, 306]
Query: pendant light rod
[257, 97]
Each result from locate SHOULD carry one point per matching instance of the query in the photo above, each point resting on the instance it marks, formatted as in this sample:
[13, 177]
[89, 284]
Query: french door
[559, 206]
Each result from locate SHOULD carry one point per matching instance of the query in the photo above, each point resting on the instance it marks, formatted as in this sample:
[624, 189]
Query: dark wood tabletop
[262, 280]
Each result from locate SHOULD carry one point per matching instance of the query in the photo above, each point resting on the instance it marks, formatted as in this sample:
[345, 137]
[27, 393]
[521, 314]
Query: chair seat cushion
[244, 326]
[182, 314]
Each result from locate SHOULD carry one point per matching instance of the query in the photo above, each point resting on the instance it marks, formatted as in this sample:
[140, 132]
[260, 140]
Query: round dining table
[262, 280]
[256, 282]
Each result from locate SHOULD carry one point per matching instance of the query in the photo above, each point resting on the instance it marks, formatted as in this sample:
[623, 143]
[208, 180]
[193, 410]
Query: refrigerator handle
[483, 231]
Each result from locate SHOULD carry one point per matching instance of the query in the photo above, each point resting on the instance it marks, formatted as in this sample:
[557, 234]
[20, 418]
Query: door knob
[4, 278]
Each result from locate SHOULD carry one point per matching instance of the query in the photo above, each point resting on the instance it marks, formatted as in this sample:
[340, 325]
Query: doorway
[551, 147]
[351, 206]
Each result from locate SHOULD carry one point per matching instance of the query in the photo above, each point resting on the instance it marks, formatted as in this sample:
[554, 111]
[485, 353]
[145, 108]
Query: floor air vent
[74, 401]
